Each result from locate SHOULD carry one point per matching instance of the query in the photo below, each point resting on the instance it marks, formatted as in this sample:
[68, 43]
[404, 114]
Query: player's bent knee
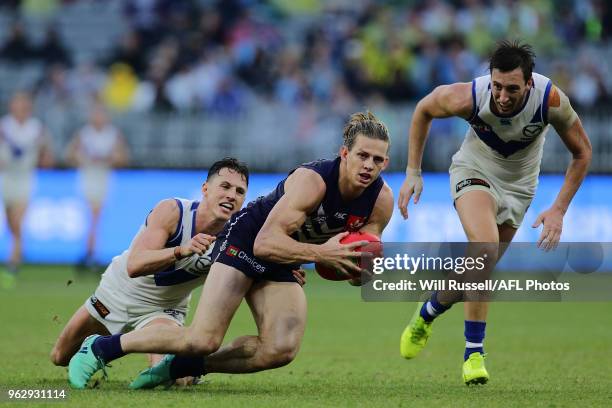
[278, 356]
[201, 345]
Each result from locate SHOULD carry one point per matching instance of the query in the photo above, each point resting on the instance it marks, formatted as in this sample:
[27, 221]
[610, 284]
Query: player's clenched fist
[413, 184]
[198, 245]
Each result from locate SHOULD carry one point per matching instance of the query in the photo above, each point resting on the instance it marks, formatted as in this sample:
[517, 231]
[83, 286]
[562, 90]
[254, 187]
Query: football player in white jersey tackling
[151, 282]
[494, 174]
[24, 145]
[96, 149]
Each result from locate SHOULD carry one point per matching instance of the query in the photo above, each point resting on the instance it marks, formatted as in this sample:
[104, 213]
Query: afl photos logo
[530, 132]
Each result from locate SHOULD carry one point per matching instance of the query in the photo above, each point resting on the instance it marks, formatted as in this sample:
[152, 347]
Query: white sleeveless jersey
[97, 145]
[20, 145]
[168, 288]
[508, 147]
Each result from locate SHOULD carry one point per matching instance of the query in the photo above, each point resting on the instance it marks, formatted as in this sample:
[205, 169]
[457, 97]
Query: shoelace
[104, 365]
[418, 332]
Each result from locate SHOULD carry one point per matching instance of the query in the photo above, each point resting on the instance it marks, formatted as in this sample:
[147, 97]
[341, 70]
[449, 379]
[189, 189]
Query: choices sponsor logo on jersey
[251, 261]
[232, 250]
[471, 182]
[355, 222]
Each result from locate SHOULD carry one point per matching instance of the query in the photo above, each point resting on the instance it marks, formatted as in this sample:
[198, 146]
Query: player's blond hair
[364, 123]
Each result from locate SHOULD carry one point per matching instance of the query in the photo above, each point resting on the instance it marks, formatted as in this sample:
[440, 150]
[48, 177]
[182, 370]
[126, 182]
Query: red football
[374, 247]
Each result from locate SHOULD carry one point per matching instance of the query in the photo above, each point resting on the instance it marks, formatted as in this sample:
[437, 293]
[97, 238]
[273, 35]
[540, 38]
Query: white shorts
[94, 183]
[120, 314]
[17, 189]
[512, 199]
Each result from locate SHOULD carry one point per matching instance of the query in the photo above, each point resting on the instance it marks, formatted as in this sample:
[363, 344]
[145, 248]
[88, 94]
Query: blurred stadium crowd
[190, 80]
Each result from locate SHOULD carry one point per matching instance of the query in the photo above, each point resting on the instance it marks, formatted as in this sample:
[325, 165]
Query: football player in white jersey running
[24, 145]
[151, 282]
[96, 148]
[494, 174]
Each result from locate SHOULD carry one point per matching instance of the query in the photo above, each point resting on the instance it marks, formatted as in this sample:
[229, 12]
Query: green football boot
[415, 335]
[159, 374]
[84, 364]
[474, 371]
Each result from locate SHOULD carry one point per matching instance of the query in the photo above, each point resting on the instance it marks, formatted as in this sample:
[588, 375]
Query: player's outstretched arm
[148, 254]
[566, 122]
[443, 102]
[304, 191]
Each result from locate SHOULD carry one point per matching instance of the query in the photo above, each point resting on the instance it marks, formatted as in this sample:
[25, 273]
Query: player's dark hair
[366, 124]
[510, 55]
[229, 163]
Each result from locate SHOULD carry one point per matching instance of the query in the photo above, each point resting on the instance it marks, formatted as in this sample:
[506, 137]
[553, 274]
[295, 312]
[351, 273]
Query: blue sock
[432, 308]
[187, 366]
[108, 348]
[474, 336]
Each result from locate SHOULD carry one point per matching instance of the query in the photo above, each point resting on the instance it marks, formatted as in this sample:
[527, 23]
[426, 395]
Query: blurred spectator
[37, 8]
[228, 100]
[588, 88]
[24, 145]
[151, 93]
[17, 47]
[55, 89]
[52, 50]
[180, 91]
[12, 5]
[129, 52]
[146, 18]
[86, 82]
[120, 87]
[96, 149]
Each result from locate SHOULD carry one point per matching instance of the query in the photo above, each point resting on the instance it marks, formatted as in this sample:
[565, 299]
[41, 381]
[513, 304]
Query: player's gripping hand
[198, 245]
[412, 185]
[552, 219]
[340, 256]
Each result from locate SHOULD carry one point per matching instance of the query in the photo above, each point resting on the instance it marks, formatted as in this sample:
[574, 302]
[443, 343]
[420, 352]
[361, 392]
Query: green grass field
[539, 354]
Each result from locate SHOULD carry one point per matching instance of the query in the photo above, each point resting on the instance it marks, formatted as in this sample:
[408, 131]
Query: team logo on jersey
[531, 131]
[232, 250]
[355, 222]
[471, 182]
[340, 215]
